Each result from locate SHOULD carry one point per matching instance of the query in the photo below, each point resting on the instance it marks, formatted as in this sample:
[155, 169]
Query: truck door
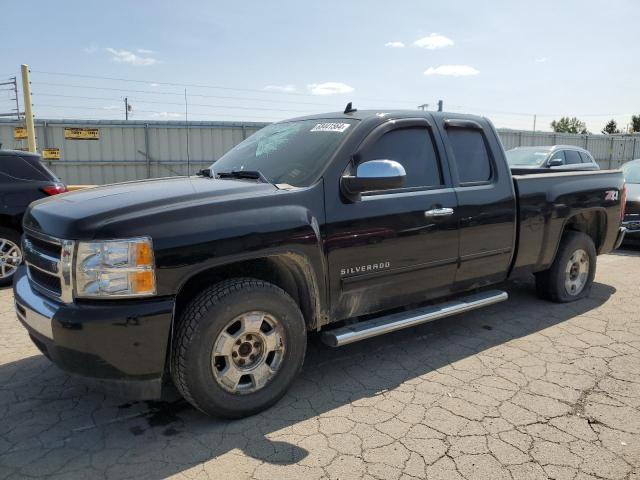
[486, 202]
[394, 247]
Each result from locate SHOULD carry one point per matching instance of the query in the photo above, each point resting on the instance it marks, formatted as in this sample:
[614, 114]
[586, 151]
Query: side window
[558, 155]
[585, 157]
[413, 149]
[471, 155]
[14, 167]
[572, 157]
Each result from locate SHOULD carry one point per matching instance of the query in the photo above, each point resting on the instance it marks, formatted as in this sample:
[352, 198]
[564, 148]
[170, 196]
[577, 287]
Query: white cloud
[329, 88]
[154, 85]
[541, 59]
[433, 41]
[452, 70]
[90, 49]
[125, 56]
[144, 51]
[394, 44]
[280, 88]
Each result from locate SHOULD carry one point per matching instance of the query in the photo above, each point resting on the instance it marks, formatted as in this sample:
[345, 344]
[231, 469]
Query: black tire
[204, 319]
[13, 237]
[550, 284]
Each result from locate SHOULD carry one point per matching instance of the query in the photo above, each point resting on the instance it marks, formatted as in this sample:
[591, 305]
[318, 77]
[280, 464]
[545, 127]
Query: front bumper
[121, 345]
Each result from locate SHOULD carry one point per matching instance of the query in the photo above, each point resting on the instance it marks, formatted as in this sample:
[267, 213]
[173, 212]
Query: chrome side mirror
[374, 175]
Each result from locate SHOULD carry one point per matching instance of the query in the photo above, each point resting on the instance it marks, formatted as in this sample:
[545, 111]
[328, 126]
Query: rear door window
[471, 155]
[572, 157]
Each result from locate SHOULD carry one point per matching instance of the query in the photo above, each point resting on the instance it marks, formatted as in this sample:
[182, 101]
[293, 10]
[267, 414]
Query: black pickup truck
[351, 224]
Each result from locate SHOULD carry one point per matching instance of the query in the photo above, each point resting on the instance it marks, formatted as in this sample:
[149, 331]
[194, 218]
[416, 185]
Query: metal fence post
[146, 149]
[611, 153]
[45, 136]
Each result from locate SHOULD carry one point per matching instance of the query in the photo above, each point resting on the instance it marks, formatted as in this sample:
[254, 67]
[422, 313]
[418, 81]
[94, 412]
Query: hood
[82, 213]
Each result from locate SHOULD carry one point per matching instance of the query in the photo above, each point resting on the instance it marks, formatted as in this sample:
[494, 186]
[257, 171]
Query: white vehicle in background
[556, 157]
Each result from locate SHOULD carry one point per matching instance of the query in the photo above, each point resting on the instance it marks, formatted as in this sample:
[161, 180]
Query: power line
[538, 114]
[117, 112]
[234, 107]
[152, 92]
[195, 85]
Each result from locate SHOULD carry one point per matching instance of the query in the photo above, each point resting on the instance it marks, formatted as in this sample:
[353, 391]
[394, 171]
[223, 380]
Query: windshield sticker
[330, 127]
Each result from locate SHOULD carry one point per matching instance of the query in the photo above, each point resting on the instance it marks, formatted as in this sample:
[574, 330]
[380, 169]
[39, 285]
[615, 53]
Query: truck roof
[382, 114]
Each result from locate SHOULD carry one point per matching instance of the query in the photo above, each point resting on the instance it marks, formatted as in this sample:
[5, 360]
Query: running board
[397, 321]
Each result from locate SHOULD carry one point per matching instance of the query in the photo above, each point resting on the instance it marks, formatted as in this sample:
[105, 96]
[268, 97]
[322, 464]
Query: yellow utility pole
[28, 113]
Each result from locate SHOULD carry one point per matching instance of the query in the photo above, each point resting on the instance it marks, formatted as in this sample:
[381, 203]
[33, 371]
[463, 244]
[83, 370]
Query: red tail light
[623, 201]
[54, 189]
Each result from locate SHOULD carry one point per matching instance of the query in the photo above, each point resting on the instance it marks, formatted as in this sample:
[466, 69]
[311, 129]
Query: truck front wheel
[571, 274]
[238, 346]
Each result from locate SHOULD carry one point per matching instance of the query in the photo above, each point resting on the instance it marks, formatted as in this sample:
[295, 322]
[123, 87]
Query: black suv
[23, 179]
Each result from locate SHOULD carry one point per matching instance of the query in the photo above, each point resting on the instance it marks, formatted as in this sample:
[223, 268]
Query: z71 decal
[611, 195]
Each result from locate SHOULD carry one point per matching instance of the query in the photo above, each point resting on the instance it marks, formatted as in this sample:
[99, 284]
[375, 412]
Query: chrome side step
[397, 321]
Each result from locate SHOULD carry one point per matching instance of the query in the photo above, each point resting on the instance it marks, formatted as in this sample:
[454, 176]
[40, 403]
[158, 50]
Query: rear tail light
[623, 201]
[54, 189]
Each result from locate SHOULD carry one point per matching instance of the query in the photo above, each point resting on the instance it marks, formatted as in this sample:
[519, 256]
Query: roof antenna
[350, 109]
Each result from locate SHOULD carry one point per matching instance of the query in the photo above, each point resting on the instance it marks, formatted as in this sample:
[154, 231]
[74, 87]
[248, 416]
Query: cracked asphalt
[524, 389]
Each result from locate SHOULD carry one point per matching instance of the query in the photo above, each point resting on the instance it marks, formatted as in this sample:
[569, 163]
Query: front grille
[49, 261]
[51, 249]
[632, 226]
[49, 282]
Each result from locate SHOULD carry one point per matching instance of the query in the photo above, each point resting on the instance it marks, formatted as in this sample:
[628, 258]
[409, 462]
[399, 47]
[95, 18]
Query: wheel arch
[592, 223]
[10, 221]
[289, 270]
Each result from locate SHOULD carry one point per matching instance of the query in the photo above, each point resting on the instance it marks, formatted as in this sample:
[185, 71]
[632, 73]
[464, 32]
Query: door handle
[439, 212]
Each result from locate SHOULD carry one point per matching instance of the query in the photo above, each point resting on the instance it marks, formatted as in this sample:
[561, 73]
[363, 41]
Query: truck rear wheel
[571, 274]
[238, 346]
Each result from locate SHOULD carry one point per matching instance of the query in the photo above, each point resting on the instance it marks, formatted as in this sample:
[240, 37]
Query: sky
[270, 60]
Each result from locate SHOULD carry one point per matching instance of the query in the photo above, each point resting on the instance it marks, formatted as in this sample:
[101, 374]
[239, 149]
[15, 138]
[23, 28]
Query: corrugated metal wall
[138, 149]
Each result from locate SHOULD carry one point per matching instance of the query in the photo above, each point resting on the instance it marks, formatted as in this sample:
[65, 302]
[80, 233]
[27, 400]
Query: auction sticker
[331, 127]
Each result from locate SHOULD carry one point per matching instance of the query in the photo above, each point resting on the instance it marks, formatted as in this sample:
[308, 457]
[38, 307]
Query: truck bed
[545, 203]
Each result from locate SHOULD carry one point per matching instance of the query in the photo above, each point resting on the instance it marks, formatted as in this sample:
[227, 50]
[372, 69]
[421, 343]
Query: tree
[635, 123]
[569, 125]
[611, 127]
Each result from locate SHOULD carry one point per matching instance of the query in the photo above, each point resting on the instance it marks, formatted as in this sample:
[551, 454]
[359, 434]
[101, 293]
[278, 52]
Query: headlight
[115, 268]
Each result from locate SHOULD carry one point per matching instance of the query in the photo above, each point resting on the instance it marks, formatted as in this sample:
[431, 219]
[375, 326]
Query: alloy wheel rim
[248, 352]
[10, 258]
[576, 272]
